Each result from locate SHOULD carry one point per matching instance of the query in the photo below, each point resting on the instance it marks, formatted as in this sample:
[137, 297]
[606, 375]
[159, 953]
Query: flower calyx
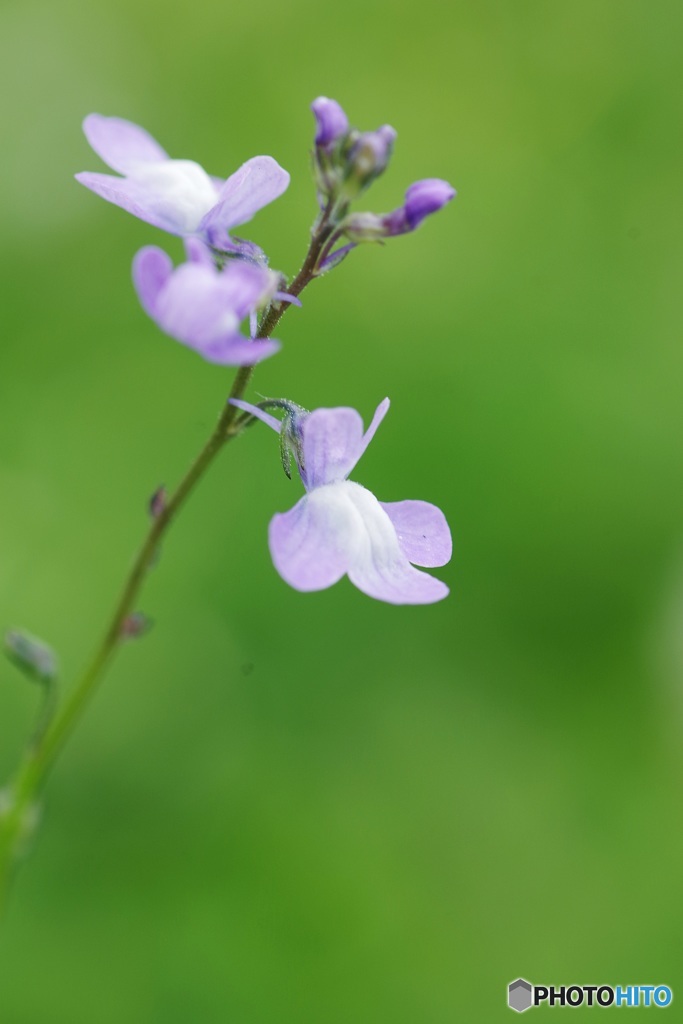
[290, 427]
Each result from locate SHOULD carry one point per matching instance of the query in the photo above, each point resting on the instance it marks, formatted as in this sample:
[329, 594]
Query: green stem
[40, 755]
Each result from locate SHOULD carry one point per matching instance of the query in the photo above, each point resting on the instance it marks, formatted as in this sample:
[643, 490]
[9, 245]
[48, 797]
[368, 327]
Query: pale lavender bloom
[339, 528]
[177, 196]
[202, 306]
[331, 120]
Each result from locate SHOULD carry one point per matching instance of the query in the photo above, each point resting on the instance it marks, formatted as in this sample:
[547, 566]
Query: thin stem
[40, 755]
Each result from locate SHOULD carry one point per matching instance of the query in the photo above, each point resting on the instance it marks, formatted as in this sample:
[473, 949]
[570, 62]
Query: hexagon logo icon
[519, 995]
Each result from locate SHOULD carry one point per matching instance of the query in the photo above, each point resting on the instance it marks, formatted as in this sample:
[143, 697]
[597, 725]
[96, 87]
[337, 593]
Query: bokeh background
[296, 809]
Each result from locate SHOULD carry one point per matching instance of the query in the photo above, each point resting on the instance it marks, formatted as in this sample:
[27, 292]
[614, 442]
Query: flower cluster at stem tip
[338, 528]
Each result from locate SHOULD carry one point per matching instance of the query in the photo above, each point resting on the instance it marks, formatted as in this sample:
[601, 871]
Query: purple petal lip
[331, 120]
[203, 307]
[422, 532]
[426, 197]
[177, 196]
[341, 529]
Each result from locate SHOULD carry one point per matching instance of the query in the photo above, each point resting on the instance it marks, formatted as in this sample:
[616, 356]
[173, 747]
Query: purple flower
[202, 306]
[339, 528]
[176, 195]
[331, 120]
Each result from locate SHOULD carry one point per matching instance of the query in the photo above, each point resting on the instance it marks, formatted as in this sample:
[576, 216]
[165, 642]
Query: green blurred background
[316, 809]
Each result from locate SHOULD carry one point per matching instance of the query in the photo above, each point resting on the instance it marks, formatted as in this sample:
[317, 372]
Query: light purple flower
[331, 120]
[339, 528]
[176, 195]
[202, 306]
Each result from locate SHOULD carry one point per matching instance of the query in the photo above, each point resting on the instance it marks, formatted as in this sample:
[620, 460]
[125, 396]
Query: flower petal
[398, 584]
[173, 195]
[191, 307]
[238, 351]
[243, 285]
[422, 531]
[131, 196]
[152, 269]
[379, 566]
[179, 191]
[380, 412]
[258, 182]
[332, 440]
[342, 528]
[202, 306]
[197, 252]
[196, 305]
[307, 550]
[121, 144]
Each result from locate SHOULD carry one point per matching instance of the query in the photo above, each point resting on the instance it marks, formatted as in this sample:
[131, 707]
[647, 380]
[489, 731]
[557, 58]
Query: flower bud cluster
[346, 162]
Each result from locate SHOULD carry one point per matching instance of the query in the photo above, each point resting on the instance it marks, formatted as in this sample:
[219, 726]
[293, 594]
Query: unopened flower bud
[157, 503]
[135, 625]
[422, 198]
[425, 197]
[331, 120]
[31, 655]
[369, 157]
[27, 821]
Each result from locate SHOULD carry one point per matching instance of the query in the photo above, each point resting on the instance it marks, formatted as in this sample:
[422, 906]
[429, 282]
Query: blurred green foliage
[297, 809]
